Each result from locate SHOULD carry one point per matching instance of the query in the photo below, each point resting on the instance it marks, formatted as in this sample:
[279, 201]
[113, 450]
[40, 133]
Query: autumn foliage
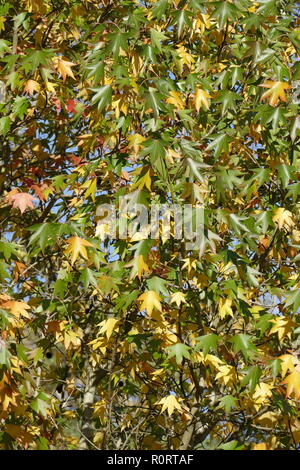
[141, 343]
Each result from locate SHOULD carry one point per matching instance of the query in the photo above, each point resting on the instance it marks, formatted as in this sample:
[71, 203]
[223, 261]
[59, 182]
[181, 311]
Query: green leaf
[45, 234]
[156, 38]
[153, 101]
[4, 355]
[4, 125]
[223, 12]
[88, 277]
[295, 128]
[20, 106]
[9, 249]
[179, 350]
[181, 19]
[158, 285]
[207, 342]
[219, 144]
[268, 8]
[40, 404]
[275, 367]
[228, 100]
[102, 97]
[228, 403]
[242, 343]
[231, 445]
[4, 274]
[286, 173]
[159, 9]
[251, 274]
[264, 323]
[252, 377]
[117, 41]
[34, 58]
[237, 225]
[156, 150]
[283, 404]
[293, 299]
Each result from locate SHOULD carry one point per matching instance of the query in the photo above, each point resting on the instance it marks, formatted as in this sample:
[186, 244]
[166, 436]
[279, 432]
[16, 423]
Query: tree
[137, 342]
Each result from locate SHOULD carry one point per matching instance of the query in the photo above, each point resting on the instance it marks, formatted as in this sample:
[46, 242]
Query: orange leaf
[21, 201]
[64, 68]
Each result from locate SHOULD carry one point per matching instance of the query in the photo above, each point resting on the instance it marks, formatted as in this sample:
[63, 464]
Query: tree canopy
[144, 343]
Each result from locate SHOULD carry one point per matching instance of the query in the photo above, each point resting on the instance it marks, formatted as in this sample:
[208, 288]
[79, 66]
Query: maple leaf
[283, 218]
[139, 266]
[31, 86]
[108, 326]
[64, 68]
[42, 190]
[225, 307]
[135, 141]
[20, 200]
[17, 308]
[276, 91]
[71, 106]
[170, 403]
[293, 384]
[77, 246]
[226, 374]
[150, 300]
[178, 298]
[201, 99]
[282, 326]
[175, 99]
[288, 362]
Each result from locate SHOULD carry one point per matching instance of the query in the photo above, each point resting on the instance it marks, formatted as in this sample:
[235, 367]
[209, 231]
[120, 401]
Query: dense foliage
[143, 343]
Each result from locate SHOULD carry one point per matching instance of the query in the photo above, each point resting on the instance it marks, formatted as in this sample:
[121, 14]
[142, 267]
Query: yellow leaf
[77, 246]
[2, 21]
[139, 266]
[226, 375]
[190, 264]
[283, 218]
[64, 68]
[288, 362]
[92, 187]
[50, 87]
[282, 326]
[150, 300]
[170, 403]
[135, 141]
[119, 104]
[293, 384]
[276, 91]
[71, 338]
[185, 57]
[17, 308]
[145, 180]
[268, 419]
[260, 446]
[175, 99]
[108, 326]
[201, 99]
[263, 390]
[225, 308]
[177, 298]
[137, 64]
